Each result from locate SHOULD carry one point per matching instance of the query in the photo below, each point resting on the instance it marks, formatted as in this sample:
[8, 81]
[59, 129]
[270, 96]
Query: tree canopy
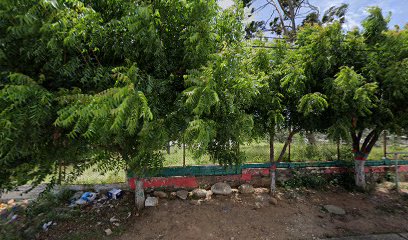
[110, 83]
[97, 81]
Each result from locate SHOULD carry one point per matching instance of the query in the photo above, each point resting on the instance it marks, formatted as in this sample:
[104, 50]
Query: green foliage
[267, 106]
[26, 112]
[312, 103]
[109, 83]
[108, 77]
[301, 179]
[219, 95]
[352, 94]
[374, 25]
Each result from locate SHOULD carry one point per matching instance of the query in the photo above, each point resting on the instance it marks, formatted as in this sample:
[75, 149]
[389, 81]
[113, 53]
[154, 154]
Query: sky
[355, 14]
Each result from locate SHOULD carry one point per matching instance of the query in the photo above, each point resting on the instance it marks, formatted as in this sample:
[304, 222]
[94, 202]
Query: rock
[199, 193]
[108, 232]
[11, 202]
[273, 201]
[221, 189]
[173, 195]
[334, 209]
[113, 219]
[246, 188]
[262, 198]
[182, 194]
[151, 202]
[208, 195]
[258, 205]
[261, 190]
[160, 194]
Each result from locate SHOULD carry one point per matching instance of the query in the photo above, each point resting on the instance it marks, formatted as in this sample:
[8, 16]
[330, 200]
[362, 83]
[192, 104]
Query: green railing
[211, 170]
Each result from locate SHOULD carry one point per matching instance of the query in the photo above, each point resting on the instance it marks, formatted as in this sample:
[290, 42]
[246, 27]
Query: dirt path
[297, 216]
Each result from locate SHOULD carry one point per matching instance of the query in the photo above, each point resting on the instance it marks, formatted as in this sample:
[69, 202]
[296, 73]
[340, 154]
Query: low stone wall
[260, 177]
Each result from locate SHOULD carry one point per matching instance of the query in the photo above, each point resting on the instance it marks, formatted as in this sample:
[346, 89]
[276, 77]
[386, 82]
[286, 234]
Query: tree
[267, 107]
[361, 73]
[291, 96]
[220, 94]
[385, 69]
[96, 82]
[284, 15]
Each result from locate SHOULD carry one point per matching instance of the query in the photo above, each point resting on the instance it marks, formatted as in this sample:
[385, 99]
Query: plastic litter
[46, 225]
[115, 193]
[86, 198]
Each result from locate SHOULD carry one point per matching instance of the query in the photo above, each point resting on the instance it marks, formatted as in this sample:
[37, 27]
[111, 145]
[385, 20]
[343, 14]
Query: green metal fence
[212, 170]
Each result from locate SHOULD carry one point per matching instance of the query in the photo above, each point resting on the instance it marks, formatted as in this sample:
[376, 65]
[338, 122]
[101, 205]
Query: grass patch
[92, 176]
[256, 152]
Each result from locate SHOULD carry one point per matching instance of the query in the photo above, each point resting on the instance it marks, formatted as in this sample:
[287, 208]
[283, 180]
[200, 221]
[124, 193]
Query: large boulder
[199, 193]
[246, 188]
[221, 189]
[160, 194]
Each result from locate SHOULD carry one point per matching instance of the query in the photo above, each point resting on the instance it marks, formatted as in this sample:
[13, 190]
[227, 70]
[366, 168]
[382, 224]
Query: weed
[300, 179]
[48, 207]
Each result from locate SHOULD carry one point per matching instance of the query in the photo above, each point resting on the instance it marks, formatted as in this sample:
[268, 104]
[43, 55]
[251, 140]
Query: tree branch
[293, 132]
[372, 142]
[368, 139]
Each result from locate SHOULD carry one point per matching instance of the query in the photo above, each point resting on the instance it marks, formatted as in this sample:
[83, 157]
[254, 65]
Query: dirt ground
[298, 215]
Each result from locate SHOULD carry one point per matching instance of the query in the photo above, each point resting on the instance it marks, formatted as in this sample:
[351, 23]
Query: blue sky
[355, 14]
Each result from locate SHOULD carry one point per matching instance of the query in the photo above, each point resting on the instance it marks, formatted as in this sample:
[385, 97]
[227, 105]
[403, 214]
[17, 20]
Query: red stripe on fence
[175, 182]
[246, 176]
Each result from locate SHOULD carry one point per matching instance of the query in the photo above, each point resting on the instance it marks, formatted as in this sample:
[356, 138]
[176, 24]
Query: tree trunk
[184, 154]
[360, 174]
[292, 18]
[168, 148]
[139, 195]
[271, 147]
[273, 163]
[361, 154]
[285, 146]
[338, 149]
[385, 144]
[290, 143]
[60, 173]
